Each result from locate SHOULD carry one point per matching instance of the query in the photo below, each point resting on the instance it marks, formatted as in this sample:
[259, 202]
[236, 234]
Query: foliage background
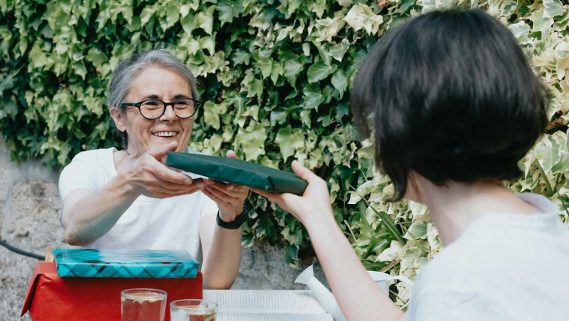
[276, 76]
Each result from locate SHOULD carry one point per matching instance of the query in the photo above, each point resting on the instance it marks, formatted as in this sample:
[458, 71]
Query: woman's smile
[165, 134]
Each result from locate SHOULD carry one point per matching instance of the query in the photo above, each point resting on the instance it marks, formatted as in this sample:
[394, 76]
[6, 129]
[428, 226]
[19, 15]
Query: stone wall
[29, 210]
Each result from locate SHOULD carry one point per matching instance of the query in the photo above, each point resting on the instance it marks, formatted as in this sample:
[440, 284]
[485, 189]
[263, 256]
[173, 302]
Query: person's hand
[230, 198]
[147, 175]
[314, 201]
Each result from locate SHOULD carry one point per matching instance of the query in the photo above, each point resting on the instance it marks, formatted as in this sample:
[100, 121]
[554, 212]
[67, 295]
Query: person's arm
[88, 215]
[222, 247]
[221, 253]
[358, 296]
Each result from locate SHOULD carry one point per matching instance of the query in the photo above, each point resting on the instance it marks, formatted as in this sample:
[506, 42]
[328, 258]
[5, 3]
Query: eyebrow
[176, 97]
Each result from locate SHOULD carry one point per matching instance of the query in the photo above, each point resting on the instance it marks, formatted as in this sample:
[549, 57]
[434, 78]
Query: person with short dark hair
[129, 199]
[453, 105]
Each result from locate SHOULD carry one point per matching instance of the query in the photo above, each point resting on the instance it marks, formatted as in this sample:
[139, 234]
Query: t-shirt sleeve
[444, 303]
[80, 173]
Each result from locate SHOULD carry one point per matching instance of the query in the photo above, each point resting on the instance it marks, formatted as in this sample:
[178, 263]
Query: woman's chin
[161, 141]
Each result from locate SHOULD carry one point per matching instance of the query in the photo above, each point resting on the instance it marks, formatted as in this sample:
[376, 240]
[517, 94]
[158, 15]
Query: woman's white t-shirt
[508, 267]
[149, 223]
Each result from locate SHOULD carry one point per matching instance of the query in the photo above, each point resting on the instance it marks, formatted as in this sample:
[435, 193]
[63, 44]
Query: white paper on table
[266, 305]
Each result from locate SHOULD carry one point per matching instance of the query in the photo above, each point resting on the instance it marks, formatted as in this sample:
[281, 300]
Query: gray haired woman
[129, 199]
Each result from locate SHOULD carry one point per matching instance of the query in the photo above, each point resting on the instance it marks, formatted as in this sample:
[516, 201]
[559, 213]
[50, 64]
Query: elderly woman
[130, 199]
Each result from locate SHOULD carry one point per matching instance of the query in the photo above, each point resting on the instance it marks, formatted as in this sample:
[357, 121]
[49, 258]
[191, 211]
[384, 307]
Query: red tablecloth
[52, 298]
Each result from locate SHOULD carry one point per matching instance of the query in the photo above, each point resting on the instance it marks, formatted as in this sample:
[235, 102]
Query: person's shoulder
[94, 154]
[453, 263]
[92, 160]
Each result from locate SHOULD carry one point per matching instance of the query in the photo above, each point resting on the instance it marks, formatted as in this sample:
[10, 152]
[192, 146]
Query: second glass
[192, 310]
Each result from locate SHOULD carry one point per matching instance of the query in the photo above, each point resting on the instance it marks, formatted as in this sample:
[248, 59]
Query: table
[266, 305]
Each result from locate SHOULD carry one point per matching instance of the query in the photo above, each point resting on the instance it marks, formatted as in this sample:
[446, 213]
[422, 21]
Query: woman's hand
[146, 175]
[230, 198]
[315, 199]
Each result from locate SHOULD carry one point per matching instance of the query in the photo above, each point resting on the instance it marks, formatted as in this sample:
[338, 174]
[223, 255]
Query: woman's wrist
[122, 187]
[318, 221]
[235, 223]
[230, 216]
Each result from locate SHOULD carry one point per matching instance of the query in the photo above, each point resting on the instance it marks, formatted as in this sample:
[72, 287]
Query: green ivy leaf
[38, 58]
[172, 12]
[340, 82]
[211, 114]
[9, 109]
[312, 96]
[521, 32]
[361, 16]
[289, 140]
[251, 140]
[266, 66]
[339, 50]
[228, 10]
[552, 8]
[291, 6]
[241, 57]
[204, 20]
[96, 57]
[292, 67]
[318, 71]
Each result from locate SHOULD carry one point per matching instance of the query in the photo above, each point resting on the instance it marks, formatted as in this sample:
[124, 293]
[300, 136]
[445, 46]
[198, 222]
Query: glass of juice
[143, 305]
[192, 310]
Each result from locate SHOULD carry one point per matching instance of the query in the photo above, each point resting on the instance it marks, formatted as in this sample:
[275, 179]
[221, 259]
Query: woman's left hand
[230, 198]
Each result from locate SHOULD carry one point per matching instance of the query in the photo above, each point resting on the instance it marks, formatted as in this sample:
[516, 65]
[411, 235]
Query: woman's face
[143, 134]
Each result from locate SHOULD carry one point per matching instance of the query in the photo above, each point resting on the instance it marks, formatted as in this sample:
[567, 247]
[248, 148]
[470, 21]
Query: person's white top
[504, 267]
[149, 223]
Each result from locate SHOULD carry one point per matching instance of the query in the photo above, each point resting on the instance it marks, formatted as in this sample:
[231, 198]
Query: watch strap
[235, 224]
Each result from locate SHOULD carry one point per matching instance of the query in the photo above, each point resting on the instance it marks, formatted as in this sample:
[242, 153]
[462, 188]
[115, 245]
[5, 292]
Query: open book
[266, 305]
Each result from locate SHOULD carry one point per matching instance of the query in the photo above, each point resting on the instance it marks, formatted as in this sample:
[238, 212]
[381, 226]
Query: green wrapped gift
[238, 172]
[124, 263]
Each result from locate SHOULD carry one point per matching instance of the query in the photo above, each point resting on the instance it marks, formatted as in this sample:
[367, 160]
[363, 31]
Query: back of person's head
[451, 96]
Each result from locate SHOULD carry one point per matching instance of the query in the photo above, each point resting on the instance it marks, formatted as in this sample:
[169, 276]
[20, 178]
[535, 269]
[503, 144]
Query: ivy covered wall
[276, 76]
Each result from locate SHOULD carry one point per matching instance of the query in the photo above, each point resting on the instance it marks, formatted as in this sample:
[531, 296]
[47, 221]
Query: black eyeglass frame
[197, 104]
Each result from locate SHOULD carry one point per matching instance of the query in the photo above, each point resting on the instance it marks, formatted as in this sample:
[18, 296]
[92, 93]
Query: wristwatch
[235, 224]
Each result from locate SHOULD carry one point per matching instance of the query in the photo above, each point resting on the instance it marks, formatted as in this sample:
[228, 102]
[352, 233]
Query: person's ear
[118, 119]
[413, 191]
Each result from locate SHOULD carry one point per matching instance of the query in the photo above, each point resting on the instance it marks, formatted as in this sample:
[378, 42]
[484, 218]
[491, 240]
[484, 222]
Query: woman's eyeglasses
[154, 108]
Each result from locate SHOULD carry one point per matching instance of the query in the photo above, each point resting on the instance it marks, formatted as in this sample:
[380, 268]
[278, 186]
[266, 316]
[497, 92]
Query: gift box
[123, 263]
[238, 171]
[53, 298]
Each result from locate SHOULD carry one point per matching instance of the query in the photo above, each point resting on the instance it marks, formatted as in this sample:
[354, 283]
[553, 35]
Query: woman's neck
[454, 206]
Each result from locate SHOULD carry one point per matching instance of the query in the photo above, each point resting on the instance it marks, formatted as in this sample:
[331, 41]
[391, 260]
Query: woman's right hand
[147, 175]
[309, 207]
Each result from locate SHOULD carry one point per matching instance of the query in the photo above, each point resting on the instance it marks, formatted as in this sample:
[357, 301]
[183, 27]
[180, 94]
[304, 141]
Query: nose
[169, 113]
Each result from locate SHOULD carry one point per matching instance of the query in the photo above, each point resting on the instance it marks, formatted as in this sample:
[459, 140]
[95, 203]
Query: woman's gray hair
[129, 68]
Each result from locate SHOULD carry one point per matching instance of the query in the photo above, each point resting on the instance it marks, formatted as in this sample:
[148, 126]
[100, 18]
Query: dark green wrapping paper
[238, 172]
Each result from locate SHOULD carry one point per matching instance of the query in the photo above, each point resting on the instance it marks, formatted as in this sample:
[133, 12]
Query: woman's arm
[221, 253]
[358, 296]
[222, 247]
[88, 215]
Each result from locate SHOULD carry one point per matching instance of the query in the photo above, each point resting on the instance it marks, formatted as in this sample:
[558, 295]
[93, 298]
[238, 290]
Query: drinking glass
[192, 310]
[143, 305]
